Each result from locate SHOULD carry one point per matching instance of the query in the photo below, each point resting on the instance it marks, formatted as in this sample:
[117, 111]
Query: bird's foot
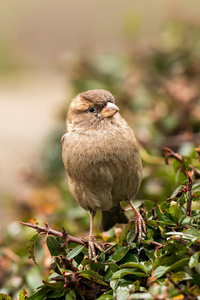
[91, 247]
[139, 226]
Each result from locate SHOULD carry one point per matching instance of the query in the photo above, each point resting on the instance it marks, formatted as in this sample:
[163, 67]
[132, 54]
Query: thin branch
[48, 231]
[191, 195]
[169, 153]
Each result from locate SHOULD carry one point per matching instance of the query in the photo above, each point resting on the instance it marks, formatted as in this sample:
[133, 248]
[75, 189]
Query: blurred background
[146, 54]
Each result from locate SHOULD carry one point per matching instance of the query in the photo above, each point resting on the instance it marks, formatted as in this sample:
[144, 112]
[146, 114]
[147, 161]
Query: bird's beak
[110, 110]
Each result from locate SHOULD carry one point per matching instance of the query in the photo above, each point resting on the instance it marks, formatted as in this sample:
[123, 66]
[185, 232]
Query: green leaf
[193, 231]
[134, 265]
[119, 253]
[106, 296]
[184, 220]
[40, 294]
[194, 259]
[112, 268]
[53, 246]
[31, 248]
[129, 257]
[124, 233]
[180, 276]
[123, 292]
[22, 295]
[176, 191]
[70, 296]
[91, 275]
[149, 205]
[56, 293]
[114, 283]
[175, 212]
[123, 272]
[162, 270]
[73, 253]
[163, 219]
[164, 205]
[4, 297]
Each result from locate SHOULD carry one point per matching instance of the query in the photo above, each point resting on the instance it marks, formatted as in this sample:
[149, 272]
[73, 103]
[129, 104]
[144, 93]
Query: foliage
[166, 262]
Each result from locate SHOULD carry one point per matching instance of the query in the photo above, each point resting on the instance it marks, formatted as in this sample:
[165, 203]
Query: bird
[102, 161]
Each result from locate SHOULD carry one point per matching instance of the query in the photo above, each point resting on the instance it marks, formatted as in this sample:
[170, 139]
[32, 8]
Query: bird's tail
[111, 217]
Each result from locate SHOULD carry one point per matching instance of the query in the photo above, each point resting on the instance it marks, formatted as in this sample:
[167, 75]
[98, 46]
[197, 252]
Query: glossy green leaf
[194, 259]
[41, 294]
[123, 272]
[71, 295]
[91, 275]
[123, 292]
[124, 232]
[184, 220]
[133, 265]
[53, 245]
[106, 296]
[74, 252]
[22, 295]
[193, 231]
[148, 205]
[119, 253]
[162, 270]
[175, 212]
[163, 219]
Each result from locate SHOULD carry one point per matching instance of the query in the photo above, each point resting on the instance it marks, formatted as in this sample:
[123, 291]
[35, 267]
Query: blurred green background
[146, 53]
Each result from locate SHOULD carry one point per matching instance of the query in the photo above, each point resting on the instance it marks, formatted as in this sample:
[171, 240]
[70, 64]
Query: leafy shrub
[165, 263]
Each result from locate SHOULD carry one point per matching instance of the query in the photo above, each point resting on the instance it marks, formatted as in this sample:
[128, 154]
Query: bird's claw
[91, 248]
[139, 226]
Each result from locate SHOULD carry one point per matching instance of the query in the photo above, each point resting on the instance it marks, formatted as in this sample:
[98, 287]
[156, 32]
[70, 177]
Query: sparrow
[102, 161]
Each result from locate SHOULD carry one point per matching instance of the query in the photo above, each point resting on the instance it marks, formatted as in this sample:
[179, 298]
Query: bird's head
[89, 109]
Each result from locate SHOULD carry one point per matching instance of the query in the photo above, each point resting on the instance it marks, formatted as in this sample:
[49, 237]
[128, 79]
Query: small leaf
[123, 272]
[73, 253]
[124, 233]
[162, 270]
[194, 259]
[5, 297]
[179, 276]
[53, 246]
[31, 248]
[91, 275]
[70, 296]
[119, 253]
[114, 283]
[40, 294]
[149, 205]
[193, 231]
[162, 218]
[134, 265]
[129, 257]
[22, 295]
[175, 212]
[112, 268]
[184, 220]
[123, 292]
[106, 296]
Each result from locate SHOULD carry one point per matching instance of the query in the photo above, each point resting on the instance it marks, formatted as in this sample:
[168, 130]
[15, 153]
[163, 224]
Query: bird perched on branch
[102, 161]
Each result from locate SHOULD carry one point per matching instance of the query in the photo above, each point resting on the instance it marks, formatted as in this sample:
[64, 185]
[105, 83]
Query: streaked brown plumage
[102, 160]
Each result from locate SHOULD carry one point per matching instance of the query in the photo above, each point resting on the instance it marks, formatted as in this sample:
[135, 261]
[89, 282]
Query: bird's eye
[91, 109]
